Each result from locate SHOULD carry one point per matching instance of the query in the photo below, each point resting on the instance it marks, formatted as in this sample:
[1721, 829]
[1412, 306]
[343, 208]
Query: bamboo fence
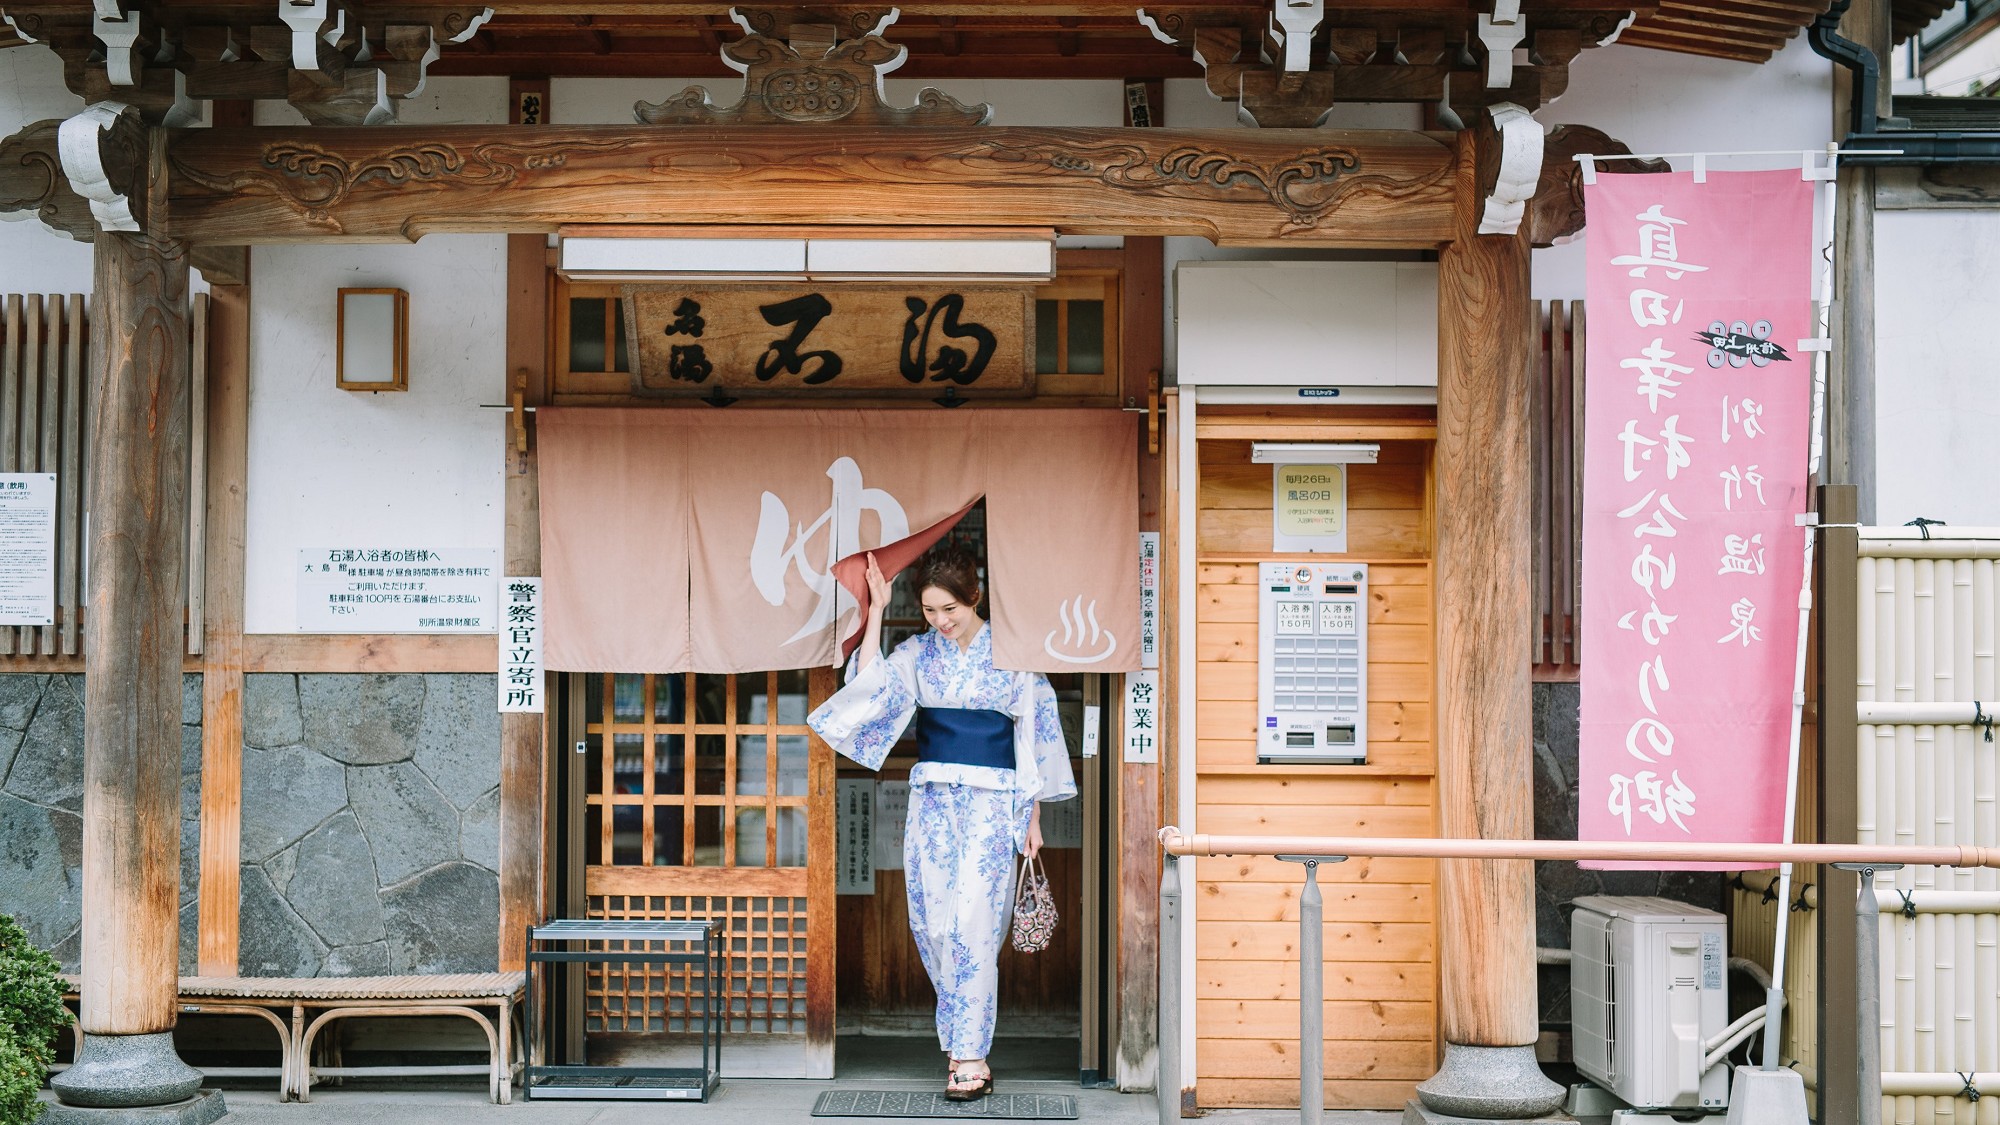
[1927, 695]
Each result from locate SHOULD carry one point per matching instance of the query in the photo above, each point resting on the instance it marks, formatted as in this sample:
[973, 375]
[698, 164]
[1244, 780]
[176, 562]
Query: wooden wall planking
[1380, 932]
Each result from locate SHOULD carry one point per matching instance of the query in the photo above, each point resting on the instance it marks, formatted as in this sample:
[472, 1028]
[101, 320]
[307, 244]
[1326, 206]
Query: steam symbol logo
[1079, 630]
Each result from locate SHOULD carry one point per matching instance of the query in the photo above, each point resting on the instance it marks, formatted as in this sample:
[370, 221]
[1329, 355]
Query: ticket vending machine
[1312, 667]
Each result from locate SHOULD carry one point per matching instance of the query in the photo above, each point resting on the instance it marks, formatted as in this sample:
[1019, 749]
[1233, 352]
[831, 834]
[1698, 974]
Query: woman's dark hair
[950, 568]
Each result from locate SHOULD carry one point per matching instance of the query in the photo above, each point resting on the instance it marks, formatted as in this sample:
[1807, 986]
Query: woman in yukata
[990, 749]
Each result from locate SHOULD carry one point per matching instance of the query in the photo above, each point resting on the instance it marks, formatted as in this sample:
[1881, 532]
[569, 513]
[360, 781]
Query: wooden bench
[335, 998]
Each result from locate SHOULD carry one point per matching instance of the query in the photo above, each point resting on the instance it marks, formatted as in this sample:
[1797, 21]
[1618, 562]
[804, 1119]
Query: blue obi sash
[965, 737]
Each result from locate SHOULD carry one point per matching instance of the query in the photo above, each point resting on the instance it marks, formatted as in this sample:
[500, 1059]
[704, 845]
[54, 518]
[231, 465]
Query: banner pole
[1774, 996]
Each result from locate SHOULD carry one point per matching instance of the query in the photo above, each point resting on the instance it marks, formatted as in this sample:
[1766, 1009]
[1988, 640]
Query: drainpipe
[1895, 147]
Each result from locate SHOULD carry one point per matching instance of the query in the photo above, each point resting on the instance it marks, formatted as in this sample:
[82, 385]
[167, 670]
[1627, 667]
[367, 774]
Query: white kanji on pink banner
[1696, 432]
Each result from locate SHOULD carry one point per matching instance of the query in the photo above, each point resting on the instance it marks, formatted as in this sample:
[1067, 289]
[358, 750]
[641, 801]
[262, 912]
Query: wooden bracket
[812, 80]
[1153, 414]
[32, 181]
[1555, 214]
[517, 412]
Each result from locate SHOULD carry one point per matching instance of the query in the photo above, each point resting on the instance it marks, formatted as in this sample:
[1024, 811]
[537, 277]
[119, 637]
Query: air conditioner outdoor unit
[1648, 995]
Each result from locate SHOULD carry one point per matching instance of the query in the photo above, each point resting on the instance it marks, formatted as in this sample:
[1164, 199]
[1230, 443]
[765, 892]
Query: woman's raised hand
[878, 587]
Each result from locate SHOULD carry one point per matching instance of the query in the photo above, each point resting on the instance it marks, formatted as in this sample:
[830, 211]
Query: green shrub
[31, 1012]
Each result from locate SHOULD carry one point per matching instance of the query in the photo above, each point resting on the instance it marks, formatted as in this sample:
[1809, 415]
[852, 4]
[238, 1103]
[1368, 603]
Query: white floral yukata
[965, 823]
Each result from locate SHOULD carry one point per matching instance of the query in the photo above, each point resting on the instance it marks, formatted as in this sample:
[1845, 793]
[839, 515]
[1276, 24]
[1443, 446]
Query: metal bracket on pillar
[104, 155]
[1500, 39]
[1293, 23]
[1518, 173]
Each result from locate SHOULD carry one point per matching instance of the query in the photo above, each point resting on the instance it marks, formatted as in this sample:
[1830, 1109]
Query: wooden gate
[706, 796]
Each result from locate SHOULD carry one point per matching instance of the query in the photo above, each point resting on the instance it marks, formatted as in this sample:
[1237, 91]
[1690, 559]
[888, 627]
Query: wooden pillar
[1486, 932]
[1136, 925]
[222, 649]
[521, 736]
[132, 635]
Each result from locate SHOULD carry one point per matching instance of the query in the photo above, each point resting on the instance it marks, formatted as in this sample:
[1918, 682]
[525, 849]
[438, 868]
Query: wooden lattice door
[706, 796]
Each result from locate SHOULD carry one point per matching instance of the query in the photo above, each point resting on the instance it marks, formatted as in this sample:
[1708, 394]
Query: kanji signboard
[831, 339]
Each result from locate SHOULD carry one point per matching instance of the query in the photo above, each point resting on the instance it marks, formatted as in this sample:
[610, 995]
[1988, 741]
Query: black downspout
[1867, 144]
[1827, 42]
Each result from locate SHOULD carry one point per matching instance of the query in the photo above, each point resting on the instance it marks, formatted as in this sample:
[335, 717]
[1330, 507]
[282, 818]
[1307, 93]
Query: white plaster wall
[330, 467]
[33, 258]
[1656, 101]
[1937, 402]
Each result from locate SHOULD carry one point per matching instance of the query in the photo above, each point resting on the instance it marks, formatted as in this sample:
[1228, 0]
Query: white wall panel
[335, 468]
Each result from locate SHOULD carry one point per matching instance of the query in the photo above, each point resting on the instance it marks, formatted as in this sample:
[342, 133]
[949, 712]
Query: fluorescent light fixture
[966, 257]
[638, 258]
[595, 257]
[1314, 452]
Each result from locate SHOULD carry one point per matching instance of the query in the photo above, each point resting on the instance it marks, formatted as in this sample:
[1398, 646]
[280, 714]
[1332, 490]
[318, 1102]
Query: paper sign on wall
[892, 806]
[1309, 507]
[854, 873]
[397, 589]
[521, 646]
[27, 548]
[1142, 717]
[1062, 823]
[1149, 600]
[1092, 716]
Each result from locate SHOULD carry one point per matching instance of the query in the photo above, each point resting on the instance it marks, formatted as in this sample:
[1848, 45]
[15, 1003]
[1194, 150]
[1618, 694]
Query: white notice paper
[892, 809]
[855, 853]
[398, 589]
[521, 646]
[27, 548]
[1090, 723]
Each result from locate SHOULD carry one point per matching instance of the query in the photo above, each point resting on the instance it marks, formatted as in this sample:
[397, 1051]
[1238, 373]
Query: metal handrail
[1311, 851]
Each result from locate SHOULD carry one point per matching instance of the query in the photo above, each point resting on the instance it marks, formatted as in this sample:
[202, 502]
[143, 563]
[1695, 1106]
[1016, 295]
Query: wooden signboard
[832, 338]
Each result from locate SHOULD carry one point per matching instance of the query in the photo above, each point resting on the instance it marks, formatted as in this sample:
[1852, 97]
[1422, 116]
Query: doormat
[908, 1103]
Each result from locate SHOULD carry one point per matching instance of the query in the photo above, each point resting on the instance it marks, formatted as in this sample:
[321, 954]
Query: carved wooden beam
[32, 182]
[1555, 215]
[1325, 187]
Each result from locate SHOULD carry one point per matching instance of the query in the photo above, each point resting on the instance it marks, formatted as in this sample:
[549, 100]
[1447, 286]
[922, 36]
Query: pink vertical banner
[1696, 433]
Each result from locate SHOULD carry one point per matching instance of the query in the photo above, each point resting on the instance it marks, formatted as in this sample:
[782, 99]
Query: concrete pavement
[738, 1102]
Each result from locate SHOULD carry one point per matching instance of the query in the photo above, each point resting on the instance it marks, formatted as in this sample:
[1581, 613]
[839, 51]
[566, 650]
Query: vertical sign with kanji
[1149, 599]
[521, 645]
[1142, 716]
[1696, 436]
[854, 828]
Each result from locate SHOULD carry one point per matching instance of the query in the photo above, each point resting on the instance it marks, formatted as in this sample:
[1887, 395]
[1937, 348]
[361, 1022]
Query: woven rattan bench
[328, 999]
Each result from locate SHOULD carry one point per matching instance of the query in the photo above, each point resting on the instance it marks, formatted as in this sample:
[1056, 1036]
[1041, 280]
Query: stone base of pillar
[1488, 1083]
[123, 1071]
[204, 1107]
[1414, 1113]
[1767, 1097]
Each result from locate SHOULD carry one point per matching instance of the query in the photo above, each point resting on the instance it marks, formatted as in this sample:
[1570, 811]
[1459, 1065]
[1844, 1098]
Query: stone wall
[41, 809]
[370, 825]
[1556, 719]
